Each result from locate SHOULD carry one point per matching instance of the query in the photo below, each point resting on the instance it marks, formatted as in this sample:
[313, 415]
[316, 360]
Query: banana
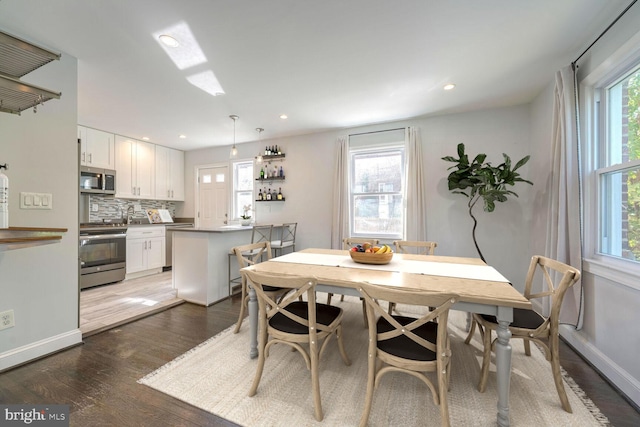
[381, 250]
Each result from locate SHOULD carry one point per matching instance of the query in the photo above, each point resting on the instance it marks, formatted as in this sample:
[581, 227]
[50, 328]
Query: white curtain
[416, 227]
[340, 218]
[564, 241]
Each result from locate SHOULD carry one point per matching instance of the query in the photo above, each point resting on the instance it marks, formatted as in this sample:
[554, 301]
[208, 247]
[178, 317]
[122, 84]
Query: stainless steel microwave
[97, 180]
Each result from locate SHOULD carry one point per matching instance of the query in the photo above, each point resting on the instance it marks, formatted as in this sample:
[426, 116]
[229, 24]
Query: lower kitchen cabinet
[145, 250]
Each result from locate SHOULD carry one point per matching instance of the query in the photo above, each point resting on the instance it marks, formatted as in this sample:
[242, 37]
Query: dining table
[480, 287]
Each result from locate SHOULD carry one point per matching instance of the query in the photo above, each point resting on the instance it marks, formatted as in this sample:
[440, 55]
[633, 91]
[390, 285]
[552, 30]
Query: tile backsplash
[112, 208]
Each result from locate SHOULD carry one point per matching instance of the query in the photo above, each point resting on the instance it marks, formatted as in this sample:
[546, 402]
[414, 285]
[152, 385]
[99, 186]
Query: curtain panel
[416, 218]
[340, 215]
[564, 241]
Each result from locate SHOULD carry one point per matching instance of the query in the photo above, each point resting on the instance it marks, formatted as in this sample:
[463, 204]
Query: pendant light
[259, 158]
[234, 150]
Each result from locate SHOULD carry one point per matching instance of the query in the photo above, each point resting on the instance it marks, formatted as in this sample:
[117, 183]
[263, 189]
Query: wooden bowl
[371, 258]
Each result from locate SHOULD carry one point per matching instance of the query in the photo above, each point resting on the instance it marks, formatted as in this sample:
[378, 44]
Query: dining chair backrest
[348, 242]
[261, 233]
[558, 278]
[252, 253]
[415, 246]
[288, 232]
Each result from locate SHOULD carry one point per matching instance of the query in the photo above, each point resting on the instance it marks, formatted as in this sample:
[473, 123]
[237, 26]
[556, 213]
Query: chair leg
[557, 375]
[242, 307]
[371, 374]
[342, 297]
[329, 298]
[486, 360]
[364, 313]
[472, 330]
[315, 381]
[527, 347]
[392, 306]
[343, 353]
[442, 392]
[262, 343]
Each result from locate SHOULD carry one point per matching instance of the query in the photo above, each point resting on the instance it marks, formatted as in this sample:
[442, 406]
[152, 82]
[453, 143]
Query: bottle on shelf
[279, 150]
[275, 171]
[275, 150]
[260, 195]
[266, 151]
[261, 173]
[279, 193]
[269, 195]
[281, 172]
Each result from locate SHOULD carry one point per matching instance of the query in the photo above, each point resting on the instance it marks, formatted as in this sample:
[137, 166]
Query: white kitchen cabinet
[135, 167]
[96, 148]
[169, 174]
[145, 250]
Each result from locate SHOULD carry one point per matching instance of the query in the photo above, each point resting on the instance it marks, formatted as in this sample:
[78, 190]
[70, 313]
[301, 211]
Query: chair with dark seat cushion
[532, 326]
[295, 323]
[249, 255]
[408, 344]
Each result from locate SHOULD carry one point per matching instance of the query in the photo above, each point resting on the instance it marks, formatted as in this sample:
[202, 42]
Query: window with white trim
[618, 166]
[376, 190]
[242, 187]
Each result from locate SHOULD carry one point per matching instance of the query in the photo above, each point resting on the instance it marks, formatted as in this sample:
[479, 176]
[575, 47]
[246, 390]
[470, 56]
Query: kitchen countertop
[223, 229]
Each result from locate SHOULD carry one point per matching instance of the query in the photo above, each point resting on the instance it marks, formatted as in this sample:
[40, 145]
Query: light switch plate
[36, 200]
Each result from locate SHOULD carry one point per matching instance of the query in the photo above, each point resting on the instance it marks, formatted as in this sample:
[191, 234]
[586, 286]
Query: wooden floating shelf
[275, 178]
[276, 200]
[22, 237]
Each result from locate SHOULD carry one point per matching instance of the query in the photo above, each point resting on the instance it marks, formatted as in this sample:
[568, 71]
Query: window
[242, 186]
[618, 169]
[377, 191]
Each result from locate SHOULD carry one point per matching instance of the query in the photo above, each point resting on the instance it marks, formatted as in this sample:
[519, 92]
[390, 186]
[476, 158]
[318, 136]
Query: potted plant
[480, 180]
[245, 218]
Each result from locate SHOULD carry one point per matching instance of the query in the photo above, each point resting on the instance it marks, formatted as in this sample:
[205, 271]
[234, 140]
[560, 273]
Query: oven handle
[103, 236]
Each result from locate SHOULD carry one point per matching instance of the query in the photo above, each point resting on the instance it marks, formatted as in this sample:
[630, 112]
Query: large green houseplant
[479, 180]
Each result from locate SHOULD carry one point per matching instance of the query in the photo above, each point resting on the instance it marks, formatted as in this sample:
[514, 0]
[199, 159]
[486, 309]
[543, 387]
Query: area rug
[216, 376]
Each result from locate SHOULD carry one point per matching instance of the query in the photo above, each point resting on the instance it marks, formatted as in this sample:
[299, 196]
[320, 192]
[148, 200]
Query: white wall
[502, 235]
[41, 283]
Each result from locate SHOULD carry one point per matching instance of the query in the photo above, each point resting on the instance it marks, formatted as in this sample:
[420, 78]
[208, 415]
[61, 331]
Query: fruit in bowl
[367, 253]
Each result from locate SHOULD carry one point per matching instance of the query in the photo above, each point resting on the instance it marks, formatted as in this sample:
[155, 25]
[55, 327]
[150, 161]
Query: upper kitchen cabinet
[169, 174]
[96, 148]
[135, 169]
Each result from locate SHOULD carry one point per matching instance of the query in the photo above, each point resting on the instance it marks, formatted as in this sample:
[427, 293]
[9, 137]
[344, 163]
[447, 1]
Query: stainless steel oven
[103, 254]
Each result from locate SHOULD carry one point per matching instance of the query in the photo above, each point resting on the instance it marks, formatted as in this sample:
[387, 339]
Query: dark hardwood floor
[98, 379]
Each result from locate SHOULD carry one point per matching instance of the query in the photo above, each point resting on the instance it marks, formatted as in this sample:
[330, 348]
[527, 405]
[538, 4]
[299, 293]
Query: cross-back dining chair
[287, 238]
[295, 323]
[247, 255]
[532, 326]
[348, 243]
[259, 233]
[415, 246]
[419, 247]
[408, 344]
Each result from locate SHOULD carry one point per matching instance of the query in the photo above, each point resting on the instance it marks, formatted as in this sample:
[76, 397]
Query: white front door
[212, 197]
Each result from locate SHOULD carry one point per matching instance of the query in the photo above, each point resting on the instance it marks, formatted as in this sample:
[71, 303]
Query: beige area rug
[216, 376]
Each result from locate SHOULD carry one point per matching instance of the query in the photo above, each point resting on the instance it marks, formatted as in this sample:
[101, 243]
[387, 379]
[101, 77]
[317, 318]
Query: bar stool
[287, 239]
[259, 233]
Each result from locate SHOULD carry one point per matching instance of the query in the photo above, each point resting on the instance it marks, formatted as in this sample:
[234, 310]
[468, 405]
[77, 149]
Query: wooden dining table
[481, 289]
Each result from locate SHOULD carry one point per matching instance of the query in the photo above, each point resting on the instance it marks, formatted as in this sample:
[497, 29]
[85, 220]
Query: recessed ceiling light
[284, 116]
[146, 138]
[449, 86]
[168, 40]
[182, 136]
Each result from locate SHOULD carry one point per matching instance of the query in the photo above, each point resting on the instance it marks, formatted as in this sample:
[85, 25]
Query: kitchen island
[200, 255]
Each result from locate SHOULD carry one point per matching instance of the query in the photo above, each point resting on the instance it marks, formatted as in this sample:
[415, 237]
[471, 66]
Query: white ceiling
[327, 64]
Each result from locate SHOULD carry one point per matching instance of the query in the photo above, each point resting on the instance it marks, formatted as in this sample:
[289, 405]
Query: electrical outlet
[7, 320]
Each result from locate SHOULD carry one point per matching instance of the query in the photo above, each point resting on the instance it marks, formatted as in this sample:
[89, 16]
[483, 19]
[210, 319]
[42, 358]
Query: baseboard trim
[618, 377]
[38, 349]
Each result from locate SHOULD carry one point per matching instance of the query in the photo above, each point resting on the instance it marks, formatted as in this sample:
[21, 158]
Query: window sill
[623, 272]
